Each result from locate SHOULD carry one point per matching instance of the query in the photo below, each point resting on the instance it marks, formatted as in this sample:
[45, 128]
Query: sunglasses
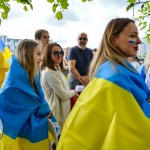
[84, 39]
[57, 53]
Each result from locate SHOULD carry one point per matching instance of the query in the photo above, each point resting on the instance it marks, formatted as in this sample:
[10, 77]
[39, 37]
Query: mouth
[136, 48]
[38, 63]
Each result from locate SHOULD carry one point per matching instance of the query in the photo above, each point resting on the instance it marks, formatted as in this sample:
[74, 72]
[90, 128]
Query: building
[10, 43]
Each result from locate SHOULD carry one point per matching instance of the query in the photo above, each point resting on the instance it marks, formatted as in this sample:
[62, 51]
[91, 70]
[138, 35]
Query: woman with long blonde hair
[112, 111]
[23, 109]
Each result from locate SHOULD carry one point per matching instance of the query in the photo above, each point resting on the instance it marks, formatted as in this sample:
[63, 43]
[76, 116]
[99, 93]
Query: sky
[90, 17]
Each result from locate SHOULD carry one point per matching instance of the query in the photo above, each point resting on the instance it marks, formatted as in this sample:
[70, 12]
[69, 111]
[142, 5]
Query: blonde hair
[108, 51]
[147, 61]
[25, 56]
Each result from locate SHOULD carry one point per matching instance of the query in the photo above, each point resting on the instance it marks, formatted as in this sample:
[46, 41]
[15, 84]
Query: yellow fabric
[3, 62]
[22, 144]
[4, 67]
[7, 53]
[105, 117]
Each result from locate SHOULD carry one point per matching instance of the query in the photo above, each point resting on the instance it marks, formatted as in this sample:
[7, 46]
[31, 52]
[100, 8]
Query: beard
[81, 47]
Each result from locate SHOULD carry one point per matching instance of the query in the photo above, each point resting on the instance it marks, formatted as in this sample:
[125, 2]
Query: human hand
[76, 94]
[84, 80]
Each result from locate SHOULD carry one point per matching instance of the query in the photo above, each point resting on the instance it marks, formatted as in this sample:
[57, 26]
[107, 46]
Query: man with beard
[79, 59]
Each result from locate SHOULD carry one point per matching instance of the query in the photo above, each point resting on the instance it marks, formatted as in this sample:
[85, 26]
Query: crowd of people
[111, 113]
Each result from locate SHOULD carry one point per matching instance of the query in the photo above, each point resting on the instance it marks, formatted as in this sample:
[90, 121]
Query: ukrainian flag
[112, 113]
[6, 51]
[23, 112]
[4, 67]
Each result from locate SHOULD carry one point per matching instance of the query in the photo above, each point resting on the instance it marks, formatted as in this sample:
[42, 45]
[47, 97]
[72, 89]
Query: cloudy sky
[90, 17]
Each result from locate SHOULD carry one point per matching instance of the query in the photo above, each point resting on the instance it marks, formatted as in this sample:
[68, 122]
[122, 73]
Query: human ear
[113, 40]
[25, 53]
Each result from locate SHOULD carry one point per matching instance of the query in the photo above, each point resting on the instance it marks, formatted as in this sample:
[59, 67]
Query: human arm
[58, 83]
[83, 79]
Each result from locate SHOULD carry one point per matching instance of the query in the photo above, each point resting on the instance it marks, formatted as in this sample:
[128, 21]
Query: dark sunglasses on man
[57, 53]
[81, 38]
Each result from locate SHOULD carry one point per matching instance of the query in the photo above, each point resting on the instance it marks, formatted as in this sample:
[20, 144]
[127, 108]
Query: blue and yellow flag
[4, 67]
[6, 51]
[112, 113]
[23, 112]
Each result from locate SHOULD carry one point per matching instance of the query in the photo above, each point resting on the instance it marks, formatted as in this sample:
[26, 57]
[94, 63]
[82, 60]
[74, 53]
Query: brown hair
[47, 60]
[38, 34]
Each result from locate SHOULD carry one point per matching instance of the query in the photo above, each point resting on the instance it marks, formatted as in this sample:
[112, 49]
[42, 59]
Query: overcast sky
[90, 17]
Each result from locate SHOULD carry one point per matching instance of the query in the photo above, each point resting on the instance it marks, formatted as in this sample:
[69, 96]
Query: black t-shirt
[82, 57]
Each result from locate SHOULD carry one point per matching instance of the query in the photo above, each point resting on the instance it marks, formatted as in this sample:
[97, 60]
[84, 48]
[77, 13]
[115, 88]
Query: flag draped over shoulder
[6, 51]
[23, 112]
[111, 114]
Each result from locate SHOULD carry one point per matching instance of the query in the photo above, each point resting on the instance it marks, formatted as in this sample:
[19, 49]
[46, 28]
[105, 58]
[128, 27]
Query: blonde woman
[23, 109]
[112, 113]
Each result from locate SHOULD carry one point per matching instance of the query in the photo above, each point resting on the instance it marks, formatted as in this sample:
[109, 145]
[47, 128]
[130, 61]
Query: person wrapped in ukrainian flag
[24, 112]
[112, 112]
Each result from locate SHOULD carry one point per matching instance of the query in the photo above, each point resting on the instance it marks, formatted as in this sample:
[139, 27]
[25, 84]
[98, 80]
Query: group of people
[110, 114]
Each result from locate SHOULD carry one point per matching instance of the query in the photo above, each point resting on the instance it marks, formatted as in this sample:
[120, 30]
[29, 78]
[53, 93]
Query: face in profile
[45, 39]
[57, 54]
[128, 40]
[37, 55]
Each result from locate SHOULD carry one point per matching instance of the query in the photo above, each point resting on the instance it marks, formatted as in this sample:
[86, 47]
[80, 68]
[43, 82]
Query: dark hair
[38, 34]
[47, 60]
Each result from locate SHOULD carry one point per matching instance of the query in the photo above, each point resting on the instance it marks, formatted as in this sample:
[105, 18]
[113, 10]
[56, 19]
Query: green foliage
[59, 15]
[5, 7]
[130, 6]
[143, 18]
[131, 1]
[58, 7]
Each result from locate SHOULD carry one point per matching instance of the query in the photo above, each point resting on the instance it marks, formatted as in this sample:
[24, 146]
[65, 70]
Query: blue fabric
[142, 71]
[2, 46]
[129, 81]
[22, 110]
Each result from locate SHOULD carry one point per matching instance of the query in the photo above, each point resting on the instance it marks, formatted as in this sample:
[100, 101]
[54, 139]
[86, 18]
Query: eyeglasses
[57, 53]
[82, 39]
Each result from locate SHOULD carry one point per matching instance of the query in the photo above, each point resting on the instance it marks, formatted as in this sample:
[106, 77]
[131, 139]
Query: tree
[58, 7]
[143, 17]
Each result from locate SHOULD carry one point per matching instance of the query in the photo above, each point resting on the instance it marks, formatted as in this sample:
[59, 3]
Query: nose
[40, 59]
[139, 41]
